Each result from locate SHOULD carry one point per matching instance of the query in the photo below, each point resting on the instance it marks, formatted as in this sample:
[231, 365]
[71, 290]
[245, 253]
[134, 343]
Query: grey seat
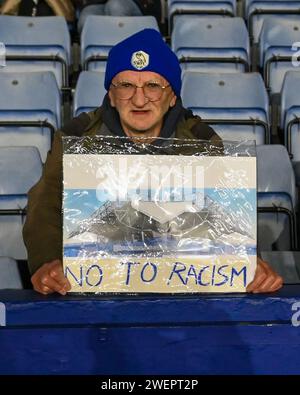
[278, 42]
[101, 32]
[290, 117]
[37, 44]
[258, 11]
[20, 169]
[235, 104]
[89, 91]
[285, 263]
[211, 44]
[10, 277]
[30, 109]
[177, 8]
[276, 199]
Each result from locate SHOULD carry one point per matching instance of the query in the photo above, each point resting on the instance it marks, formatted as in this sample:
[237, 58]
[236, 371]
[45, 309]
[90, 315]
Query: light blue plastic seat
[101, 32]
[290, 117]
[235, 105]
[276, 50]
[177, 8]
[89, 92]
[37, 44]
[276, 199]
[211, 44]
[258, 11]
[30, 109]
[10, 277]
[20, 169]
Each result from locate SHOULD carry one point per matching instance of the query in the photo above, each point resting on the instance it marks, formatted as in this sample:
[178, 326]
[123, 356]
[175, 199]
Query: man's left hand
[265, 279]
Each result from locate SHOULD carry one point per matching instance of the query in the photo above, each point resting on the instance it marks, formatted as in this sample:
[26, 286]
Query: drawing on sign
[159, 223]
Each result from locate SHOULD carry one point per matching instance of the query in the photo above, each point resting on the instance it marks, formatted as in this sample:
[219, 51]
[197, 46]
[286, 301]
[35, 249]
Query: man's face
[138, 115]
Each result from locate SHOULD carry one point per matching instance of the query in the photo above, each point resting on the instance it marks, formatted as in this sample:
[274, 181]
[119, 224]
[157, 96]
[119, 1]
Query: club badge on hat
[140, 60]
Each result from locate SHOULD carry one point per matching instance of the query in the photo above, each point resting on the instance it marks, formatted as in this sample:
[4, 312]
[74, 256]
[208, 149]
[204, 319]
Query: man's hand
[50, 278]
[265, 279]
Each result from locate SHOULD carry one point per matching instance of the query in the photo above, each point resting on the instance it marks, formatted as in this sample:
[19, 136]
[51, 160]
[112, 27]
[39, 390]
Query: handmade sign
[157, 222]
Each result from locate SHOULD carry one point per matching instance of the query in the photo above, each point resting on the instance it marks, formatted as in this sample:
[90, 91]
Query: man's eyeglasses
[152, 90]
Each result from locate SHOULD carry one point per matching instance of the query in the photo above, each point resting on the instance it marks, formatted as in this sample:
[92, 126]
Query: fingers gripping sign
[50, 278]
[265, 279]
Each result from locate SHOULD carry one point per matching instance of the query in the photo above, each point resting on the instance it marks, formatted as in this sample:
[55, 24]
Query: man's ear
[111, 98]
[173, 100]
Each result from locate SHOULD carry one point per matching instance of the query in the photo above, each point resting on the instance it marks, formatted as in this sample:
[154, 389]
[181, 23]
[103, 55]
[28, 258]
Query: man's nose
[139, 99]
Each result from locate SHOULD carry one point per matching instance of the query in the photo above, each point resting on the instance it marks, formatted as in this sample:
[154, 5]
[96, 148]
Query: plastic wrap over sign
[169, 216]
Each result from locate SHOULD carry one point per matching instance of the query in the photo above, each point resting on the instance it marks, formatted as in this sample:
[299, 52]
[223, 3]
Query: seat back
[37, 44]
[277, 50]
[176, 8]
[101, 32]
[20, 169]
[276, 199]
[10, 277]
[285, 263]
[30, 109]
[290, 114]
[236, 105]
[211, 44]
[89, 92]
[258, 11]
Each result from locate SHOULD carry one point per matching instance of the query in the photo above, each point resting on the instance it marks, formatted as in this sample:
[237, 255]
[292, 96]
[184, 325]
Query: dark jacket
[147, 7]
[59, 7]
[43, 227]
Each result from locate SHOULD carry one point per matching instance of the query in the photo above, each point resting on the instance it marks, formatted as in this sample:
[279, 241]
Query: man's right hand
[50, 278]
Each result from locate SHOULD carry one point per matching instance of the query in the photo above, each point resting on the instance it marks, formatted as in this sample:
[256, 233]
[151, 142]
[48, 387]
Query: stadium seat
[20, 169]
[10, 277]
[285, 263]
[236, 105]
[258, 11]
[290, 117]
[276, 47]
[176, 8]
[89, 91]
[100, 33]
[276, 199]
[30, 109]
[37, 44]
[211, 44]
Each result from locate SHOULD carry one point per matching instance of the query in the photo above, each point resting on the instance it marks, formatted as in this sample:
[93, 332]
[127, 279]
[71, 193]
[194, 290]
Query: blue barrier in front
[186, 334]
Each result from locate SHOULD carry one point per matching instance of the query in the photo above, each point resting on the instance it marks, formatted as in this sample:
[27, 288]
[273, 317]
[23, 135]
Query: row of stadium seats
[222, 45]
[255, 12]
[236, 105]
[214, 45]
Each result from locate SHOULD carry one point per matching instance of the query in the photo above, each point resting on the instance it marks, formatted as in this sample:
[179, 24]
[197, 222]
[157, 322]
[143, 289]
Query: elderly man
[143, 80]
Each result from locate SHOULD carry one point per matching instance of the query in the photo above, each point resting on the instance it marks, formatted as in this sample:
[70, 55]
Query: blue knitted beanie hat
[144, 51]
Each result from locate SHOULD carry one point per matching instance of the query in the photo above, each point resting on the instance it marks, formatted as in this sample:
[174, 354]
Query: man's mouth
[140, 112]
